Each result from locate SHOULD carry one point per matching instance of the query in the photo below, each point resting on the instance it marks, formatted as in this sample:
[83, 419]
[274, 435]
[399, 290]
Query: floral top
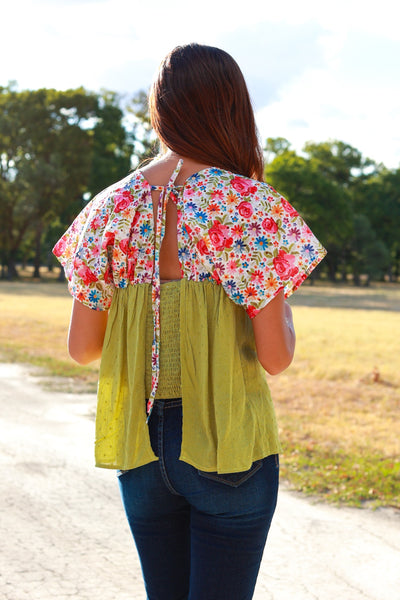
[231, 229]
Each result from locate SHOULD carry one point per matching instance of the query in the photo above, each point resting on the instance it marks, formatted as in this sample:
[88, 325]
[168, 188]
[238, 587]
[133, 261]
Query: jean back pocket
[233, 479]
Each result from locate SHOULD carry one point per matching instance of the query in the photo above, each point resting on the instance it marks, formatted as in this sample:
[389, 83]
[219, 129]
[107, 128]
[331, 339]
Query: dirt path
[63, 533]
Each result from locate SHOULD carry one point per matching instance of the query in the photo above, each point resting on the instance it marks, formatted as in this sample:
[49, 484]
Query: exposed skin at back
[273, 325]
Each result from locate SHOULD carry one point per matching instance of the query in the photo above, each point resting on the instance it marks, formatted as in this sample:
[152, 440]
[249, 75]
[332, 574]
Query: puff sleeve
[84, 253]
[252, 241]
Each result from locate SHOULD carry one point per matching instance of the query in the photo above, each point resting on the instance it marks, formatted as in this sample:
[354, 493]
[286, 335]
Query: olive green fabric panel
[122, 439]
[227, 402]
[207, 356]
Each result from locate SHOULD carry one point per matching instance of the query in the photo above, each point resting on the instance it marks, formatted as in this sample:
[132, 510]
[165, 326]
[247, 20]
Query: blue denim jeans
[199, 536]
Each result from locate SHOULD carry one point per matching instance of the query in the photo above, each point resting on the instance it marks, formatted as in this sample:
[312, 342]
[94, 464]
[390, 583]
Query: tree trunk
[38, 250]
[11, 269]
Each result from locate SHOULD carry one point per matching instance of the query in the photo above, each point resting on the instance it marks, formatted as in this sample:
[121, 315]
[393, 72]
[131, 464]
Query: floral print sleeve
[83, 253]
[249, 237]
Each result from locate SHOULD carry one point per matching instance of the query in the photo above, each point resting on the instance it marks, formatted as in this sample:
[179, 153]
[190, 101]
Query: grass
[33, 329]
[337, 405]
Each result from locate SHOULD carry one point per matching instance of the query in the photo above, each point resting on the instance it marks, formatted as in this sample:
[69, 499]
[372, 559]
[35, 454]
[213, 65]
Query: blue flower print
[145, 229]
[261, 243]
[308, 249]
[94, 296]
[191, 207]
[202, 216]
[215, 171]
[238, 297]
[184, 254]
[230, 285]
[239, 246]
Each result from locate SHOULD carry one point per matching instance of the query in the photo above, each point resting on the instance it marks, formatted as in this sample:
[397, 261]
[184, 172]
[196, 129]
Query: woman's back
[158, 173]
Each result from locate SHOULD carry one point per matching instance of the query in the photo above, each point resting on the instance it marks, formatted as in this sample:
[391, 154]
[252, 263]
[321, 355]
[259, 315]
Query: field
[337, 405]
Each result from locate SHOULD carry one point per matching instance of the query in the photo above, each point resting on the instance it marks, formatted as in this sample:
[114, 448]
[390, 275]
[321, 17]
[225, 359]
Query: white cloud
[319, 70]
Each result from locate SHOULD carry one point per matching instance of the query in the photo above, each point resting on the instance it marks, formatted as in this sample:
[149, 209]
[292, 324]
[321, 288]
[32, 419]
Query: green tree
[323, 203]
[340, 162]
[146, 143]
[45, 156]
[369, 255]
[112, 144]
[379, 199]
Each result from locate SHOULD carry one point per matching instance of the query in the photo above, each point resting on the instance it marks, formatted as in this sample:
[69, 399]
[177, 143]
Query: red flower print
[219, 236]
[284, 265]
[245, 187]
[135, 219]
[217, 195]
[108, 277]
[237, 231]
[131, 268]
[84, 272]
[124, 245]
[252, 311]
[245, 209]
[215, 276]
[257, 276]
[270, 225]
[59, 248]
[250, 292]
[108, 239]
[213, 208]
[122, 199]
[289, 208]
[202, 247]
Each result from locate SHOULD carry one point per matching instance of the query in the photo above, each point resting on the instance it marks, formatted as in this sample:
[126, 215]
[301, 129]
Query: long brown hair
[200, 108]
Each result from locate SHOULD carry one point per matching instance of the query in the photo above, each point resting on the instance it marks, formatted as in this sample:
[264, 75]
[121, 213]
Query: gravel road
[63, 532]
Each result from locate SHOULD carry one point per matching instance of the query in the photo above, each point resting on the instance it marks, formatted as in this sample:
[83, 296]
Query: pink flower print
[245, 209]
[254, 229]
[84, 272]
[95, 223]
[289, 208]
[231, 267]
[59, 248]
[219, 236]
[270, 225]
[219, 268]
[122, 199]
[95, 249]
[294, 233]
[284, 265]
[124, 244]
[245, 187]
[217, 195]
[257, 276]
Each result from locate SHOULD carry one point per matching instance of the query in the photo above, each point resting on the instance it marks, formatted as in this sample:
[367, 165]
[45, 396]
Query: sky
[316, 70]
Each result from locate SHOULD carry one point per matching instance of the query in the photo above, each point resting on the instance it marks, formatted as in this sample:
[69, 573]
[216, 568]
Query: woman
[187, 263]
